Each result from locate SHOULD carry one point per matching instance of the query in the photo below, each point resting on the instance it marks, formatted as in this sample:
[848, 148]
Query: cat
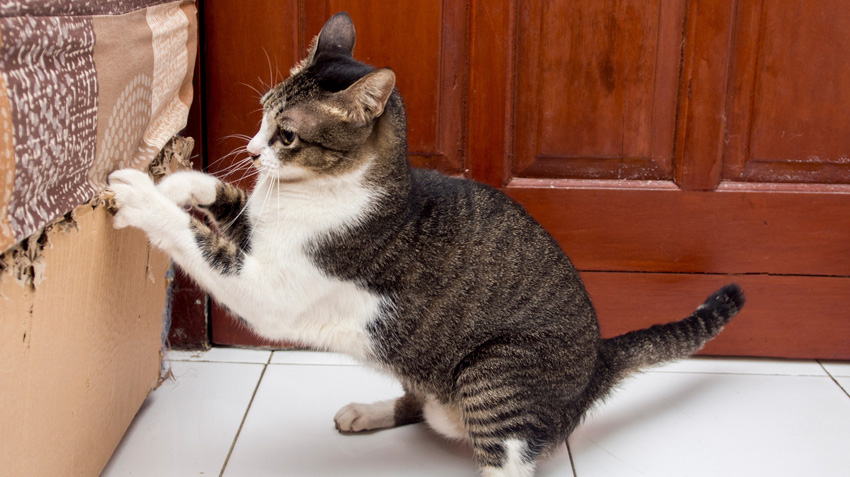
[444, 283]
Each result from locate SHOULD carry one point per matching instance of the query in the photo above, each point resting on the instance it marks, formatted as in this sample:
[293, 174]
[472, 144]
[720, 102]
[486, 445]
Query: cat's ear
[337, 35]
[365, 100]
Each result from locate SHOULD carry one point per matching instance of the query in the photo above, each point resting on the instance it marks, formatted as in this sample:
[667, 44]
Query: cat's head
[320, 121]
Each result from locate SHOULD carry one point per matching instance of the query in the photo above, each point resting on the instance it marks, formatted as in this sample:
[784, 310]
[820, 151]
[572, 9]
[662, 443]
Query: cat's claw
[133, 190]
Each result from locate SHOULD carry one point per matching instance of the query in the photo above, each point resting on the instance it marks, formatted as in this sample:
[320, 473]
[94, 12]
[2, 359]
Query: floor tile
[312, 358]
[674, 424]
[290, 431]
[844, 383]
[221, 355]
[187, 426]
[838, 368]
[743, 366]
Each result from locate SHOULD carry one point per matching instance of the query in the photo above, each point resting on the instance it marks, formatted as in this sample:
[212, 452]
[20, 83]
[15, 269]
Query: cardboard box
[80, 325]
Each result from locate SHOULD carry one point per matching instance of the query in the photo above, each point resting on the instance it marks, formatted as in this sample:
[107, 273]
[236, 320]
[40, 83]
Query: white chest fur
[280, 292]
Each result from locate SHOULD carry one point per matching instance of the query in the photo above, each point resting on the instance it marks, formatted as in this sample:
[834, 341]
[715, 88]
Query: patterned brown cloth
[86, 87]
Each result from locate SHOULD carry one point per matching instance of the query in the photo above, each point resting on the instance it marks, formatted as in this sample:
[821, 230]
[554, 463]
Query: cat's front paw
[189, 188]
[133, 198]
[357, 417]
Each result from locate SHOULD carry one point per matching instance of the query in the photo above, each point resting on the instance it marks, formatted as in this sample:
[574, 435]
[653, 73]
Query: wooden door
[670, 147]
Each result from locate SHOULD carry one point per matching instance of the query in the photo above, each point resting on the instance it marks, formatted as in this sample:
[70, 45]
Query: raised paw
[189, 188]
[357, 417]
[133, 192]
[140, 205]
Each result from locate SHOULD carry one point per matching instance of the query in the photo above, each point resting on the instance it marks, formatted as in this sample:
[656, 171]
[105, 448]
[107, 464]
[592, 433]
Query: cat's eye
[285, 136]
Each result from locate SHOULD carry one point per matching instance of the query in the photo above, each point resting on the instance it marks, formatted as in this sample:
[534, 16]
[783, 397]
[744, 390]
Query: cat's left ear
[337, 35]
[366, 99]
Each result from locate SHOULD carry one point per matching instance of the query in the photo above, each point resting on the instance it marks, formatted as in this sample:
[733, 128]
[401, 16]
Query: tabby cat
[444, 283]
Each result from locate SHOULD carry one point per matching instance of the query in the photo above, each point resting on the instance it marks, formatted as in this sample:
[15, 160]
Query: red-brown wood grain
[785, 316]
[596, 89]
[702, 94]
[788, 94]
[424, 43]
[656, 228]
[490, 109]
[670, 147]
[248, 46]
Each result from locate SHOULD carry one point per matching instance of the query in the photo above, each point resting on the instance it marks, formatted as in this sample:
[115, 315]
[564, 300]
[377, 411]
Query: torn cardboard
[25, 262]
[175, 156]
[79, 343]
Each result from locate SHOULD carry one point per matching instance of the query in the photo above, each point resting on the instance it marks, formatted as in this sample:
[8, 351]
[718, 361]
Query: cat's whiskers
[251, 172]
[271, 74]
[242, 137]
[251, 197]
[230, 174]
[262, 183]
[236, 165]
[255, 90]
[278, 201]
[232, 153]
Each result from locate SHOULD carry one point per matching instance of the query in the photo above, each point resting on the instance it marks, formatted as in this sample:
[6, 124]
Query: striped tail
[625, 354]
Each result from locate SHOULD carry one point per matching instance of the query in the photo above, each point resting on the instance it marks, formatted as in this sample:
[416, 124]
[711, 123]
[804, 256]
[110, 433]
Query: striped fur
[444, 283]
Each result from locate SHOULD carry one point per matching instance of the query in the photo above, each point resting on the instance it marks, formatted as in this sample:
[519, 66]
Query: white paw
[140, 205]
[189, 188]
[357, 417]
[134, 192]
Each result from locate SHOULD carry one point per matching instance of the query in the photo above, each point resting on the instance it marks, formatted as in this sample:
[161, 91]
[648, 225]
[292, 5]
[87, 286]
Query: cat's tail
[625, 354]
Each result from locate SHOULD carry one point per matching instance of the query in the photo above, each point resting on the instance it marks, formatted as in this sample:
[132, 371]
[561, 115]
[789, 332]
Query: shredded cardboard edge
[25, 260]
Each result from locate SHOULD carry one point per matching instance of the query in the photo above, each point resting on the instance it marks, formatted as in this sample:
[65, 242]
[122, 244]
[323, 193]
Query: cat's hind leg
[515, 462]
[356, 417]
[515, 406]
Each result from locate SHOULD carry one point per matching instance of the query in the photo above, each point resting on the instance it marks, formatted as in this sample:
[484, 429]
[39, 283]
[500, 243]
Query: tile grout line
[846, 391]
[724, 373]
[218, 361]
[570, 454]
[245, 416]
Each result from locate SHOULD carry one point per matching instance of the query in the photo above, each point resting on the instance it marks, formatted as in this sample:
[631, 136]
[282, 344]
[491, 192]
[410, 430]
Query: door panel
[785, 315]
[789, 94]
[239, 68]
[655, 245]
[660, 229]
[596, 89]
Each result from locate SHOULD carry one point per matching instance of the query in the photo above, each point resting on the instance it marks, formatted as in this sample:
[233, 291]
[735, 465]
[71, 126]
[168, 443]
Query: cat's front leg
[209, 258]
[224, 203]
[190, 188]
[356, 417]
[140, 205]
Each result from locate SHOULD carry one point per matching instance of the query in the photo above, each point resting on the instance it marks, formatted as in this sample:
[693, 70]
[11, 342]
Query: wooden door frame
[189, 327]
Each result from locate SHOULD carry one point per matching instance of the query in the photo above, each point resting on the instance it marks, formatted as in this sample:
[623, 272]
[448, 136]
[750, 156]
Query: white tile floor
[255, 413]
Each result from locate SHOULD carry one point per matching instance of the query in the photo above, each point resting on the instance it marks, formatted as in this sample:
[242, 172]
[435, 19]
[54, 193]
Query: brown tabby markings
[483, 318]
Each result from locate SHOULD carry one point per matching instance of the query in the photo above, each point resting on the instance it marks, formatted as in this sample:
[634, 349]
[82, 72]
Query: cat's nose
[254, 150]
